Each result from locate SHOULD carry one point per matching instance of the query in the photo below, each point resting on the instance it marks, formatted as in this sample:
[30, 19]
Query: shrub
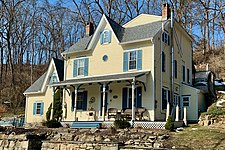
[214, 110]
[121, 124]
[169, 124]
[113, 130]
[53, 124]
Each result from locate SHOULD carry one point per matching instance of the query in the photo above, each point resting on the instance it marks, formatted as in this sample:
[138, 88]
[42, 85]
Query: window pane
[79, 100]
[133, 60]
[80, 67]
[105, 37]
[38, 109]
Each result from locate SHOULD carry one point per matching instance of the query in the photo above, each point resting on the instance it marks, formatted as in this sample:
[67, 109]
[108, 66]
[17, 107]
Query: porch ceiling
[106, 78]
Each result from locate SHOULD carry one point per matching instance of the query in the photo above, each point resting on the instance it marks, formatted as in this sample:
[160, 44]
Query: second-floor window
[80, 67]
[163, 62]
[183, 70]
[188, 75]
[166, 38]
[132, 60]
[105, 37]
[175, 69]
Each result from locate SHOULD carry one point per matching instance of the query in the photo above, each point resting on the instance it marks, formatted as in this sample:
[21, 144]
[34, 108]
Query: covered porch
[106, 98]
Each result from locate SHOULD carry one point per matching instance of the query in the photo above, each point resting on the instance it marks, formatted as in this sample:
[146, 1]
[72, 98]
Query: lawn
[196, 137]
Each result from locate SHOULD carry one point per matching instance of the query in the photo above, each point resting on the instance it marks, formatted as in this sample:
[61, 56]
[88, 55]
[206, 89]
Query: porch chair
[139, 113]
[112, 113]
[127, 113]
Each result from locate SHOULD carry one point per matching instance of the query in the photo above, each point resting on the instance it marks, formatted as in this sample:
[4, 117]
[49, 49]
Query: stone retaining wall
[78, 139]
[206, 120]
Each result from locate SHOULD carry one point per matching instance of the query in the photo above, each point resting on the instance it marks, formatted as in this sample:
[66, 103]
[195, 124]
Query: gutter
[134, 41]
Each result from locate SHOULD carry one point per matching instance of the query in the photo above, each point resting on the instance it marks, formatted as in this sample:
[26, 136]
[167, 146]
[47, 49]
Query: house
[123, 67]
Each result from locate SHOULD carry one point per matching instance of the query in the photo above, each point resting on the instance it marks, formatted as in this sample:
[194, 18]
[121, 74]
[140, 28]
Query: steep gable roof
[40, 84]
[79, 46]
[59, 65]
[141, 32]
[37, 85]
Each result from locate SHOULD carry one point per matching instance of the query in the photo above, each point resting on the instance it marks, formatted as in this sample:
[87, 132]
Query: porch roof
[105, 78]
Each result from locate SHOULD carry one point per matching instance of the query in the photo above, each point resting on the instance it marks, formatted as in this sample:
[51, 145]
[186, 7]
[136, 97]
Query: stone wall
[98, 139]
[206, 120]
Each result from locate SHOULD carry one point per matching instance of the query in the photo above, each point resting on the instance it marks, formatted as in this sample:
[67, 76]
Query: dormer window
[53, 78]
[166, 38]
[105, 37]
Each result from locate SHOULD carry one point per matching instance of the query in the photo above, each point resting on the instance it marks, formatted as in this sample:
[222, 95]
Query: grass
[18, 111]
[200, 138]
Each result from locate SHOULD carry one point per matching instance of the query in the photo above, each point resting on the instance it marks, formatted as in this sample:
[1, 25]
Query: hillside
[215, 60]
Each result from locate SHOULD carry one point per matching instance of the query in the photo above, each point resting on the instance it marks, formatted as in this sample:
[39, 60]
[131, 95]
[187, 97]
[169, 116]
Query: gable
[142, 19]
[39, 86]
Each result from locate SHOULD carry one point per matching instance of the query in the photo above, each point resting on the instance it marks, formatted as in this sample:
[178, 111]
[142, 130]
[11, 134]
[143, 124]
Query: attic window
[53, 78]
[105, 37]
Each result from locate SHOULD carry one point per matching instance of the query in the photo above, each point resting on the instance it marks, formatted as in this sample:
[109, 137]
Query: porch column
[167, 110]
[133, 97]
[103, 103]
[177, 113]
[185, 116]
[53, 93]
[75, 103]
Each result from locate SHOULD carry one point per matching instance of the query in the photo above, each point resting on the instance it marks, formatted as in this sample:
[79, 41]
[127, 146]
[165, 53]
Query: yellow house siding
[31, 99]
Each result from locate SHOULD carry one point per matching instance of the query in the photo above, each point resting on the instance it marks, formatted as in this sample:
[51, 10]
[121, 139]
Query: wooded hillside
[34, 31]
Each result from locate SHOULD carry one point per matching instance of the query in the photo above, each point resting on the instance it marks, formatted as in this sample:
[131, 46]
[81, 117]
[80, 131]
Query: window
[53, 78]
[166, 38]
[188, 75]
[38, 108]
[132, 60]
[165, 98]
[176, 100]
[183, 70]
[163, 62]
[80, 67]
[105, 37]
[175, 69]
[186, 101]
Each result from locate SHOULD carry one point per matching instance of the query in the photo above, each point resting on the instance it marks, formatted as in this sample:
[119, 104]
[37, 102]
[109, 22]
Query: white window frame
[183, 97]
[36, 113]
[129, 53]
[78, 63]
[165, 34]
[105, 37]
[54, 76]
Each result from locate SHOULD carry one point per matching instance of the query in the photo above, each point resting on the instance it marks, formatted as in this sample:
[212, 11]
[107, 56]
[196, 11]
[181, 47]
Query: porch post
[133, 97]
[103, 103]
[185, 116]
[177, 113]
[75, 103]
[167, 110]
[53, 93]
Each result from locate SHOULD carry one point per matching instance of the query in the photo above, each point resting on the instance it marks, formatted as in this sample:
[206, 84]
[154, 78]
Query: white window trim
[77, 66]
[166, 37]
[103, 34]
[38, 102]
[188, 100]
[135, 60]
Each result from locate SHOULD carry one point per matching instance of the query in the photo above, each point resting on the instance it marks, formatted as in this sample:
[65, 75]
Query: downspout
[172, 56]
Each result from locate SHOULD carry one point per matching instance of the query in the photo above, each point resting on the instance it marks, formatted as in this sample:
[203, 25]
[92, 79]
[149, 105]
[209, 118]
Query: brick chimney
[89, 29]
[165, 11]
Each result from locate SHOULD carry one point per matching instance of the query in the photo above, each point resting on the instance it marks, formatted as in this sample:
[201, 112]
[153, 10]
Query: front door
[127, 97]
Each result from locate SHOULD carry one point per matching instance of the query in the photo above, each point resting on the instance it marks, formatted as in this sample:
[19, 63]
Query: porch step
[85, 125]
